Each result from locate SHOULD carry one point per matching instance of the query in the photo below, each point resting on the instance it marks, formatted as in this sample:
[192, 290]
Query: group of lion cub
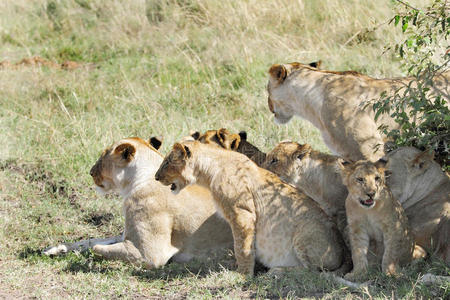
[291, 207]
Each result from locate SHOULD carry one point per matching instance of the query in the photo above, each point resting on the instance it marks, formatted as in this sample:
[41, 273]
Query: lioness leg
[121, 251]
[243, 227]
[81, 245]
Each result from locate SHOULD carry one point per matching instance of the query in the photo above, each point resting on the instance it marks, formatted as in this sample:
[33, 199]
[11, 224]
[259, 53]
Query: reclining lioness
[270, 220]
[158, 224]
[415, 180]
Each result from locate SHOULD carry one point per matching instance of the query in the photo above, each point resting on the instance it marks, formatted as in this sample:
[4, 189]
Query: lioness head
[364, 181]
[231, 141]
[175, 170]
[278, 74]
[287, 160]
[112, 170]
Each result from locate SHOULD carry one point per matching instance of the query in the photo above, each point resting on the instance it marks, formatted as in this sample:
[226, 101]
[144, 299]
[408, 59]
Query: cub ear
[243, 135]
[221, 135]
[302, 151]
[227, 140]
[126, 151]
[278, 72]
[156, 142]
[234, 141]
[422, 160]
[195, 135]
[344, 164]
[381, 163]
[316, 64]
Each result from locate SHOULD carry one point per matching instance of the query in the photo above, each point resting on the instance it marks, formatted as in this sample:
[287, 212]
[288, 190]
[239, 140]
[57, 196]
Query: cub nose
[91, 172]
[157, 177]
[371, 194]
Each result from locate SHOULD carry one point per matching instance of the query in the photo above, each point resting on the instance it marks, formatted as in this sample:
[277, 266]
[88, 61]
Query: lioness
[374, 216]
[231, 141]
[333, 102]
[415, 180]
[158, 224]
[269, 219]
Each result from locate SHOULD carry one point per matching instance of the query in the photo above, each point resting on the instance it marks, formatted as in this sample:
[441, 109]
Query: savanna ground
[158, 68]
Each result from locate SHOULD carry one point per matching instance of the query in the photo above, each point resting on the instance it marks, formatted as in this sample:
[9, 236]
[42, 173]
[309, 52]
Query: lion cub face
[287, 160]
[175, 170]
[364, 181]
[109, 171]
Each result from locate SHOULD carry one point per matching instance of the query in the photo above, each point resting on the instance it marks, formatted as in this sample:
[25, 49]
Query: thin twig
[416, 9]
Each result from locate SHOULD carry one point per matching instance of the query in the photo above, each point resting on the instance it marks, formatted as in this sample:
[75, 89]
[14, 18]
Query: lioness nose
[157, 178]
[371, 194]
[91, 172]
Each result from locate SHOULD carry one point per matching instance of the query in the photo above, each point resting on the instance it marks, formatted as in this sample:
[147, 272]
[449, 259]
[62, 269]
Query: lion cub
[270, 219]
[374, 216]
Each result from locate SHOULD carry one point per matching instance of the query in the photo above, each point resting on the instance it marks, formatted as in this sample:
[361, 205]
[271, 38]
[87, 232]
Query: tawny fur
[334, 103]
[270, 220]
[415, 180]
[158, 224]
[231, 141]
[374, 216]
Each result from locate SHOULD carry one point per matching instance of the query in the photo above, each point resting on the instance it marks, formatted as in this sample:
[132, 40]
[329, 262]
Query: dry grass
[156, 68]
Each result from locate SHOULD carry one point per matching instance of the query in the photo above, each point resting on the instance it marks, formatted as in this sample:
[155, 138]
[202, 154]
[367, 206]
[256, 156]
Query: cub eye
[274, 161]
[377, 178]
[360, 179]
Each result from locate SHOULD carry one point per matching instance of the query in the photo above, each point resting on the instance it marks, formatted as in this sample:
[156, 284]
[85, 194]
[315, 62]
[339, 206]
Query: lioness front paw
[356, 276]
[245, 271]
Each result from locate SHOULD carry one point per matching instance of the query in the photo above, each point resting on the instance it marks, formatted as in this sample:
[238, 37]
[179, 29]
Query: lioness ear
[422, 159]
[188, 151]
[316, 64]
[156, 142]
[195, 135]
[178, 151]
[278, 72]
[126, 151]
[243, 135]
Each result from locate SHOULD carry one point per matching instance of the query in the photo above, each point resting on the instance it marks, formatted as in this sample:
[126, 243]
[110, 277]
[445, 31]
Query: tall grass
[150, 68]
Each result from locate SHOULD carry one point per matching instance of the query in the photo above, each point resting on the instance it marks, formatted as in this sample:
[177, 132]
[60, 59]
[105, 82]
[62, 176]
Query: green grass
[157, 68]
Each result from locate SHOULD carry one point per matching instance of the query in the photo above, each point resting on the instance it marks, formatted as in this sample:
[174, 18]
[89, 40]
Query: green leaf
[396, 20]
[404, 27]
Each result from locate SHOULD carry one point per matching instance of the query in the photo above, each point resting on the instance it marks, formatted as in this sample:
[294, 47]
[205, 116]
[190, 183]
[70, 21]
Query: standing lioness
[334, 103]
[269, 219]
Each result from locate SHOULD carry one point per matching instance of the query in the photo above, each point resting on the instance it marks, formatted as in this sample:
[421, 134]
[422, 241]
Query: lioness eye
[274, 161]
[377, 178]
[360, 179]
